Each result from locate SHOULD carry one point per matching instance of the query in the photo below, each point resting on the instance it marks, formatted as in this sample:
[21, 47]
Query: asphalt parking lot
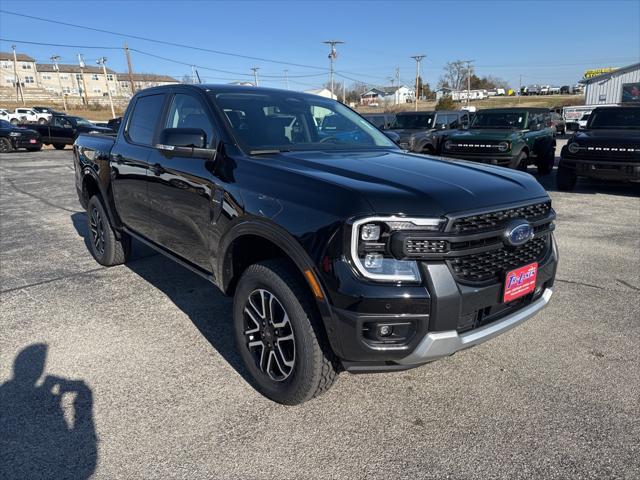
[151, 386]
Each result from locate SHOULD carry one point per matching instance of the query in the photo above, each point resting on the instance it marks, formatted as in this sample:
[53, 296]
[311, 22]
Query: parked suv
[341, 251]
[422, 132]
[31, 116]
[608, 148]
[510, 137]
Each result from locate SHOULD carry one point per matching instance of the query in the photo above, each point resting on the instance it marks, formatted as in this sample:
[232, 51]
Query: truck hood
[394, 182]
[484, 134]
[609, 138]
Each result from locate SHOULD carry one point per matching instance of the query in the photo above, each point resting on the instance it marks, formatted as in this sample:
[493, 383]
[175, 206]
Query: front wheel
[42, 121]
[14, 121]
[105, 247]
[59, 146]
[521, 162]
[280, 336]
[5, 145]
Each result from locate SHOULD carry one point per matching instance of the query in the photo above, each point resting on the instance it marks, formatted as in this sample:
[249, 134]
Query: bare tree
[455, 75]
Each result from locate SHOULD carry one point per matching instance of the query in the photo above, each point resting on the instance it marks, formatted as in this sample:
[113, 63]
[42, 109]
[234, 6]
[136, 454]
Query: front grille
[607, 153]
[491, 265]
[416, 247]
[496, 220]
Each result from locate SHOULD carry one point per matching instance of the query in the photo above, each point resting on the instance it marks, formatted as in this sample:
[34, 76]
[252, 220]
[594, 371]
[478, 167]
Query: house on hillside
[322, 92]
[25, 66]
[142, 81]
[74, 81]
[387, 95]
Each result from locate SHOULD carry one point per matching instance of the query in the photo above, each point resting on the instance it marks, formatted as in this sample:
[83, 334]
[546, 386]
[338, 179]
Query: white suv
[8, 116]
[31, 115]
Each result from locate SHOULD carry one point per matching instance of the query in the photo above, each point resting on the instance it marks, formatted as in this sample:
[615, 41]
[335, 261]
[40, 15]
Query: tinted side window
[188, 112]
[142, 124]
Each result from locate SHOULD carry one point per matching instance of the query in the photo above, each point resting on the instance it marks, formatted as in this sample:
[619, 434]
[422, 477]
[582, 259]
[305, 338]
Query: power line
[62, 45]
[163, 42]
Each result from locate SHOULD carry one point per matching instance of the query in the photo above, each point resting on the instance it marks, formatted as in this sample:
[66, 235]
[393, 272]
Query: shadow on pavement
[202, 302]
[36, 440]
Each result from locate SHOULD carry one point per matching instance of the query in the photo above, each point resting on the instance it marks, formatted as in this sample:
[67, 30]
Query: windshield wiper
[267, 151]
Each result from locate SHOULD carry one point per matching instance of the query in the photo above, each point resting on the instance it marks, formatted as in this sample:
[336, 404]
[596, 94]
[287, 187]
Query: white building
[388, 95]
[322, 92]
[619, 86]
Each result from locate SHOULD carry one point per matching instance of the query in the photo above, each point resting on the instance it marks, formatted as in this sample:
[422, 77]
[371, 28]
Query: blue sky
[547, 42]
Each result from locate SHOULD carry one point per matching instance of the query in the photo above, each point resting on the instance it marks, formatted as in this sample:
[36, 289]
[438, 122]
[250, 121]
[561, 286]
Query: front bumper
[22, 142]
[603, 169]
[436, 345]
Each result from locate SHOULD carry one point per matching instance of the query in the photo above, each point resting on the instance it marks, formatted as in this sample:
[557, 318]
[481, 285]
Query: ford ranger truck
[341, 251]
[509, 137]
[607, 149]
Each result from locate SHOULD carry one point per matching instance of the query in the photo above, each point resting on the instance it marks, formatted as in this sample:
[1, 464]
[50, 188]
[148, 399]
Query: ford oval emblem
[518, 232]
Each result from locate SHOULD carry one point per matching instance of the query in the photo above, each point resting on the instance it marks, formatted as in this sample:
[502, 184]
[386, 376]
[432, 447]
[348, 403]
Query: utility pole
[130, 68]
[15, 75]
[397, 94]
[333, 54]
[519, 89]
[56, 67]
[468, 62]
[103, 61]
[286, 77]
[344, 93]
[255, 75]
[84, 84]
[418, 59]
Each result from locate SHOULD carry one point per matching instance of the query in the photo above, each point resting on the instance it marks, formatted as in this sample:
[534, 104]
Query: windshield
[81, 121]
[615, 118]
[484, 119]
[413, 122]
[264, 121]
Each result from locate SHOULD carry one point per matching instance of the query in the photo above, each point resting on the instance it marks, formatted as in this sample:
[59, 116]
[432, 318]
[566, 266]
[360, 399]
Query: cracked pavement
[150, 385]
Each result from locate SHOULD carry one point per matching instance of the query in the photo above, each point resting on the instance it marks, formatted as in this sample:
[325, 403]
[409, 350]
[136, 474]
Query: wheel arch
[91, 185]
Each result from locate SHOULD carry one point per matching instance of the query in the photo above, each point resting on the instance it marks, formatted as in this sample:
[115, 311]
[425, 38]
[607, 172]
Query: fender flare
[107, 200]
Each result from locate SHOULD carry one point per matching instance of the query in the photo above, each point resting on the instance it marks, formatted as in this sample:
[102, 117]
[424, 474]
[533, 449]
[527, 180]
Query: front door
[60, 131]
[184, 193]
[129, 163]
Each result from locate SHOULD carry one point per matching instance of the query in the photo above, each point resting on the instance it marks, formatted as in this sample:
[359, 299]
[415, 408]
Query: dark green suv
[510, 137]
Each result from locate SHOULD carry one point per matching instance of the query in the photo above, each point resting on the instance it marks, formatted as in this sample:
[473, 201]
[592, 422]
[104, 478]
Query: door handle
[157, 169]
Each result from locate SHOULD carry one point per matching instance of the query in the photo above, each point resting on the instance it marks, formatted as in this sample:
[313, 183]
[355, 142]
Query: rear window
[145, 115]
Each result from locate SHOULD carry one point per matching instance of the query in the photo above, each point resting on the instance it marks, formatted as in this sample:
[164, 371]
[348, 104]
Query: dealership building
[618, 86]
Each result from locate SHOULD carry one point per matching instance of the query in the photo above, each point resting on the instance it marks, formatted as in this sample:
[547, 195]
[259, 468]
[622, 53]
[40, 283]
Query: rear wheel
[14, 121]
[105, 247]
[5, 145]
[566, 178]
[42, 121]
[59, 146]
[280, 336]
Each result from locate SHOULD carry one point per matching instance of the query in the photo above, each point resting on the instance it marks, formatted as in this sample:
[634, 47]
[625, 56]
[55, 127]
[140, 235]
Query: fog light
[370, 232]
[373, 261]
[385, 330]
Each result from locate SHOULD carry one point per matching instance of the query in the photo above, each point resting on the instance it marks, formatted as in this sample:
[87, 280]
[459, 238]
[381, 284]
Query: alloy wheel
[269, 335]
[97, 230]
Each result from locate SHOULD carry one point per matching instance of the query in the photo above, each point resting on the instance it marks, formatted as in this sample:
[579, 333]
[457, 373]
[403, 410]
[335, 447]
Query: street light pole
[333, 54]
[103, 61]
[418, 59]
[468, 62]
[84, 84]
[255, 75]
[19, 91]
[56, 67]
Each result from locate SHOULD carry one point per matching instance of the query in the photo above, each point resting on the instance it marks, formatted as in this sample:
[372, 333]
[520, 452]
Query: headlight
[371, 249]
[15, 134]
[573, 147]
[504, 146]
[94, 131]
[448, 145]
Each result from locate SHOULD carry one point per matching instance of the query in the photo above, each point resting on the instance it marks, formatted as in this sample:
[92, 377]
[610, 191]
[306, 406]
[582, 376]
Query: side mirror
[184, 142]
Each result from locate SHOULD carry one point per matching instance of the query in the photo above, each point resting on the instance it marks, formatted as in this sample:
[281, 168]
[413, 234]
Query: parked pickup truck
[32, 116]
[510, 137]
[13, 138]
[62, 130]
[341, 251]
[422, 132]
[608, 148]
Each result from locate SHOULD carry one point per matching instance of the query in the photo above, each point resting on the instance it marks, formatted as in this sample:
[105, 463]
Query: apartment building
[142, 81]
[71, 79]
[25, 67]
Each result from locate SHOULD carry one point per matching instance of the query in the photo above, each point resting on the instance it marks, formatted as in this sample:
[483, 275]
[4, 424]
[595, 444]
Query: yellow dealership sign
[598, 71]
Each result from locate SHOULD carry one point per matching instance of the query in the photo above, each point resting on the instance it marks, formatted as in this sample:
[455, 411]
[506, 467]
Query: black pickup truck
[63, 130]
[608, 148]
[341, 251]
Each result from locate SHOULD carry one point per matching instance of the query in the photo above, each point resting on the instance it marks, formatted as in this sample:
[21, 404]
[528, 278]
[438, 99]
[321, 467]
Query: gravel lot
[150, 384]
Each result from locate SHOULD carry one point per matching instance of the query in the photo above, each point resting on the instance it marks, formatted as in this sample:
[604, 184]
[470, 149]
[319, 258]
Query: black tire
[34, 149]
[428, 150]
[42, 121]
[59, 146]
[5, 145]
[521, 162]
[104, 246]
[14, 121]
[313, 366]
[545, 162]
[566, 178]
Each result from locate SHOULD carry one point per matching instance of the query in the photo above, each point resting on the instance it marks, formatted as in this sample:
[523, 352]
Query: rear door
[185, 196]
[129, 163]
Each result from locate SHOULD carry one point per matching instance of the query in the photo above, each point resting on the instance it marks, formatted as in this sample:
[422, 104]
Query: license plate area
[32, 140]
[519, 282]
